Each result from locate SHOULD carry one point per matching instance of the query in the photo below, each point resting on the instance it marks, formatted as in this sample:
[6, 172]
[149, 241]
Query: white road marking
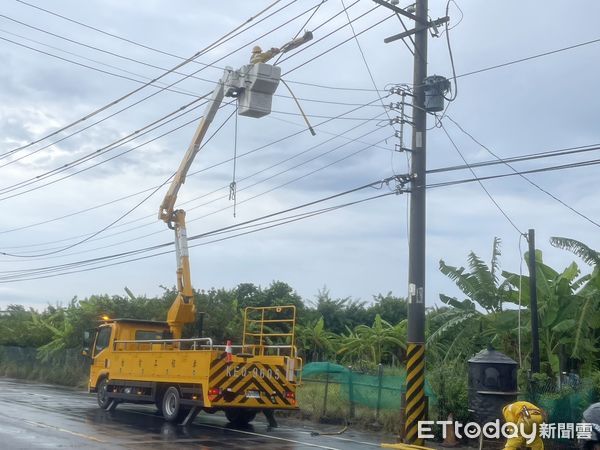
[270, 437]
[250, 433]
[85, 436]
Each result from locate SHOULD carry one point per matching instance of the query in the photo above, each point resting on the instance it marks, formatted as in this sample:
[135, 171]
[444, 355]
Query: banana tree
[481, 285]
[468, 325]
[315, 341]
[560, 307]
[587, 329]
[372, 344]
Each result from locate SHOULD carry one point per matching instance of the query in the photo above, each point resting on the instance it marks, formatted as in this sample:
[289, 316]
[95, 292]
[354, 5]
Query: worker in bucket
[527, 418]
[258, 56]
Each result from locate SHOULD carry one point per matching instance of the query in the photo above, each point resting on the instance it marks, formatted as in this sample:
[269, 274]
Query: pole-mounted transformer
[436, 87]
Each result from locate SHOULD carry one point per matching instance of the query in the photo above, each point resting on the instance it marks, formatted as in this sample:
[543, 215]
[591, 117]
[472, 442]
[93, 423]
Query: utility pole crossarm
[168, 204]
[433, 23]
[402, 12]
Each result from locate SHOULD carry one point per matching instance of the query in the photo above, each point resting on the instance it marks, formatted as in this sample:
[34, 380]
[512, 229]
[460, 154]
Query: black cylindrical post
[535, 337]
[326, 391]
[379, 386]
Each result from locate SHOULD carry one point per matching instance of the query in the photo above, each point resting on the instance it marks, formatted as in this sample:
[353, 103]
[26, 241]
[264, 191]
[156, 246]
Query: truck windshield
[102, 339]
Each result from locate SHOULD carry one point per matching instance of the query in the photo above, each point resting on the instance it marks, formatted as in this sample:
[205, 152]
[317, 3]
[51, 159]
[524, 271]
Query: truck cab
[128, 334]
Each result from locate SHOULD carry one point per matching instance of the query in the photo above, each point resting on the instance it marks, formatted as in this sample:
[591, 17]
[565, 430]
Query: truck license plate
[252, 394]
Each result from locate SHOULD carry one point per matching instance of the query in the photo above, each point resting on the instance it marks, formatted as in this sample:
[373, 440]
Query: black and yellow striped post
[415, 392]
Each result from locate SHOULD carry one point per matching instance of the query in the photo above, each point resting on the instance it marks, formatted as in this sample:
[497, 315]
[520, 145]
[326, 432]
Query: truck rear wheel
[102, 394]
[240, 417]
[172, 410]
[171, 404]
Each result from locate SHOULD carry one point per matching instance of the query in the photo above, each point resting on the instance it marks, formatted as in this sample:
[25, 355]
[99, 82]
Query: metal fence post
[380, 374]
[402, 428]
[324, 413]
[351, 392]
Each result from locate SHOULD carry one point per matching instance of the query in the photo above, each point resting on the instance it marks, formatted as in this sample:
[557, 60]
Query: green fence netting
[563, 404]
[377, 391]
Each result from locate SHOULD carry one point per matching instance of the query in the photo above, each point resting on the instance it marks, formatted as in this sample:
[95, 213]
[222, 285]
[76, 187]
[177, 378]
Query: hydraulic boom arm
[253, 86]
[183, 309]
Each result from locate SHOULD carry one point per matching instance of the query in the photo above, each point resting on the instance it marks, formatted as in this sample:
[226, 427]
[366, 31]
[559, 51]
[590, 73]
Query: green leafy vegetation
[356, 333]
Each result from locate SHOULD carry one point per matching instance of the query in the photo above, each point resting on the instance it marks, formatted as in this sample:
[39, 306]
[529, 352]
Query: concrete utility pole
[415, 403]
[415, 362]
[535, 337]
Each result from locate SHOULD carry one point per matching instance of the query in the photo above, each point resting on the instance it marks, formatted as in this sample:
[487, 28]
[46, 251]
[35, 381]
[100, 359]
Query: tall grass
[335, 408]
[66, 368]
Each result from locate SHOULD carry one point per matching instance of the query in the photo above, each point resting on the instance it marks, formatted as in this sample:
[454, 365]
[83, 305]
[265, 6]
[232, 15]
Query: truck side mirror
[87, 337]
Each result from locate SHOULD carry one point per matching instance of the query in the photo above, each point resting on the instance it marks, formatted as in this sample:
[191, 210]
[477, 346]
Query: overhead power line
[527, 157]
[496, 204]
[339, 135]
[128, 58]
[121, 217]
[574, 165]
[529, 58]
[337, 45]
[8, 276]
[152, 83]
[537, 186]
[95, 61]
[63, 167]
[181, 91]
[287, 183]
[104, 149]
[154, 49]
[153, 94]
[162, 121]
[364, 58]
[131, 41]
[211, 46]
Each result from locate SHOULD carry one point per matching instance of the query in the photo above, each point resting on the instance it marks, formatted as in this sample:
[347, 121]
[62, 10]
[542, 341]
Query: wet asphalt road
[34, 416]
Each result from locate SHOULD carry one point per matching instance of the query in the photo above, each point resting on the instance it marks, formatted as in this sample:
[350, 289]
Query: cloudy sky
[74, 183]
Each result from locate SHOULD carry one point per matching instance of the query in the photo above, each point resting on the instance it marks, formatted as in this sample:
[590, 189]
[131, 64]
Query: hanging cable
[342, 135]
[310, 128]
[303, 27]
[520, 295]
[362, 54]
[479, 181]
[129, 94]
[455, 93]
[545, 191]
[233, 184]
[121, 217]
[378, 183]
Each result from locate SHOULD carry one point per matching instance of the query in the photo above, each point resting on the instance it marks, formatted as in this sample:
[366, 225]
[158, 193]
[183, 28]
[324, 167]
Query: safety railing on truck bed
[150, 345]
[270, 327]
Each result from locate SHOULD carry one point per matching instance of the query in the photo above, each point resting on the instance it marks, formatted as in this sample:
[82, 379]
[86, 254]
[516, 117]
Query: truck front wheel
[102, 394]
[240, 417]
